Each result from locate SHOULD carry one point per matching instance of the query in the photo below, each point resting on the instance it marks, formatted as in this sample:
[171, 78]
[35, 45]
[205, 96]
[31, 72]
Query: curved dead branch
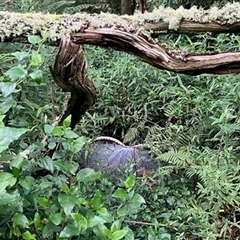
[160, 55]
[70, 73]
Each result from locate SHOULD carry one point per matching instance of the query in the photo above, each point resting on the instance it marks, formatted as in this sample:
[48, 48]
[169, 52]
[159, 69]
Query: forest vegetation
[184, 121]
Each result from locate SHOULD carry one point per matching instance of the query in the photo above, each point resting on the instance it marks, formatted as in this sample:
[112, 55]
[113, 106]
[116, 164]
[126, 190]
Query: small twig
[139, 223]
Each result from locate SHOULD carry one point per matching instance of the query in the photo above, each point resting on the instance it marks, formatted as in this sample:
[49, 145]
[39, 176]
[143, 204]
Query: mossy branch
[134, 34]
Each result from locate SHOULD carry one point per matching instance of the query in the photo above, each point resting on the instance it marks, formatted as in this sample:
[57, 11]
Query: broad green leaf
[67, 121]
[48, 230]
[36, 58]
[17, 72]
[67, 202]
[78, 144]
[20, 55]
[97, 200]
[56, 218]
[129, 235]
[37, 220]
[20, 220]
[95, 220]
[7, 104]
[80, 220]
[28, 182]
[7, 88]
[29, 236]
[130, 181]
[8, 198]
[34, 39]
[103, 212]
[43, 202]
[119, 234]
[116, 225]
[57, 131]
[6, 179]
[37, 76]
[120, 193]
[137, 198]
[69, 231]
[88, 175]
[66, 167]
[48, 128]
[70, 134]
[46, 163]
[8, 135]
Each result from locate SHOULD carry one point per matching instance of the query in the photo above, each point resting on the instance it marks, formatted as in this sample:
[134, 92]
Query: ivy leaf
[37, 76]
[8, 135]
[119, 234]
[36, 58]
[6, 179]
[34, 39]
[20, 220]
[120, 193]
[95, 220]
[7, 88]
[69, 231]
[56, 218]
[20, 55]
[67, 202]
[130, 181]
[17, 72]
[88, 175]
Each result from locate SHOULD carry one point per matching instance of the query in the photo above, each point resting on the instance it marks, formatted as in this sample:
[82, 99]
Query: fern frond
[180, 158]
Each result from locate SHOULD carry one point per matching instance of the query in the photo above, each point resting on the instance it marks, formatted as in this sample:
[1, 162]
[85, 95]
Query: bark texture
[70, 73]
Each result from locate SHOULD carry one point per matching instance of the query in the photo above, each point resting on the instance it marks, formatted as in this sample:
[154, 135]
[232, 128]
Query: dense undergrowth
[191, 122]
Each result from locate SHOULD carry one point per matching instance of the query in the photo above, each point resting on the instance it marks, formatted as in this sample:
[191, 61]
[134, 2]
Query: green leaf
[17, 72]
[6, 179]
[129, 235]
[20, 55]
[57, 131]
[70, 134]
[67, 202]
[7, 104]
[119, 234]
[37, 76]
[36, 58]
[103, 212]
[80, 220]
[34, 39]
[69, 231]
[43, 202]
[46, 163]
[48, 230]
[95, 220]
[130, 181]
[88, 175]
[56, 218]
[7, 88]
[137, 198]
[28, 182]
[8, 198]
[8, 135]
[29, 236]
[20, 220]
[97, 200]
[48, 129]
[120, 193]
[66, 167]
[67, 121]
[37, 220]
[78, 144]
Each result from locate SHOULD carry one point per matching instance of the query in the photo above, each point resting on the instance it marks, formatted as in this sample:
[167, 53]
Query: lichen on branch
[20, 25]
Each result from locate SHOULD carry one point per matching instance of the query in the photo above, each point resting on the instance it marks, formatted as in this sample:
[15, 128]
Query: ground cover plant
[190, 122]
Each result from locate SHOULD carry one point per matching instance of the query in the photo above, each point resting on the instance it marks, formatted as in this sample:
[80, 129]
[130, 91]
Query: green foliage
[191, 122]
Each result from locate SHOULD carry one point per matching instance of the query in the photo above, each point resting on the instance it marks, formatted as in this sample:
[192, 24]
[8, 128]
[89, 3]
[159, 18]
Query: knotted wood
[70, 74]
